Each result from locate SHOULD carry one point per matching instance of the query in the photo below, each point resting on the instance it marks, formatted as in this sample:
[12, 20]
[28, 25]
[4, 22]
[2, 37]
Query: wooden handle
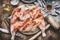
[32, 38]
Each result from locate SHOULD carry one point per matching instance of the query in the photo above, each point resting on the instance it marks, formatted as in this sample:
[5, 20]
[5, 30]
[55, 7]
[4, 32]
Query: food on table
[25, 19]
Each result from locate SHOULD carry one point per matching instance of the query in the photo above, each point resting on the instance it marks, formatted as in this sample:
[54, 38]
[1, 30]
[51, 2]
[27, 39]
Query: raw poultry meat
[25, 20]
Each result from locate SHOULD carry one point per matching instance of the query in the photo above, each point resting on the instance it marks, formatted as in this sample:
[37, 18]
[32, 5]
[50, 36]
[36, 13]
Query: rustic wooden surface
[51, 35]
[4, 36]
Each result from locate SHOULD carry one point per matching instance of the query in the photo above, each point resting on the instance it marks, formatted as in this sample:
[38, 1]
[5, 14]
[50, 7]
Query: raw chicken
[27, 19]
